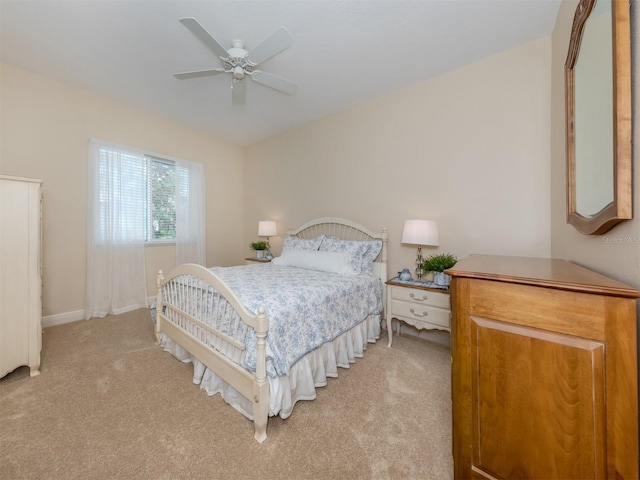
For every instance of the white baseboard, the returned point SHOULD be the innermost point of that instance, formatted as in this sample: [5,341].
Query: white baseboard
[68,317]
[61,318]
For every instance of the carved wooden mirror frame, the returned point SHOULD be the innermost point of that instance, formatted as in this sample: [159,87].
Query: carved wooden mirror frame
[620,208]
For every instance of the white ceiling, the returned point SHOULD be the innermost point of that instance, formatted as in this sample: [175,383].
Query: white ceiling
[343,53]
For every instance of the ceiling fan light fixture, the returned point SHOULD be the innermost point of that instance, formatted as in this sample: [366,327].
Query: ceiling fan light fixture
[238,72]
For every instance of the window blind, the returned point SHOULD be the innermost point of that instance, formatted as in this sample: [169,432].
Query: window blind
[121,181]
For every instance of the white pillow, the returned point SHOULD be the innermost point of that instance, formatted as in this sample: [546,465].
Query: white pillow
[333,262]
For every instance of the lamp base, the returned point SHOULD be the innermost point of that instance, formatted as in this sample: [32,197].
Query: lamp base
[419,263]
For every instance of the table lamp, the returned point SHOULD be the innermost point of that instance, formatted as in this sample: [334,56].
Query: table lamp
[420,232]
[267,228]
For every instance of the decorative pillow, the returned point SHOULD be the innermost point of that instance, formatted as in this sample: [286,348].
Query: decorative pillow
[362,252]
[333,262]
[373,250]
[352,249]
[295,243]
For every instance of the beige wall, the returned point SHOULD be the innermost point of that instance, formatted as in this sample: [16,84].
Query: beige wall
[479,149]
[617,252]
[45,132]
[469,149]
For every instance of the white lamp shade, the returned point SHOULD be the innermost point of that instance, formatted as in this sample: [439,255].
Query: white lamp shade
[267,228]
[420,232]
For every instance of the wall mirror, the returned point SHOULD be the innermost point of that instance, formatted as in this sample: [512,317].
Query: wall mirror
[598,116]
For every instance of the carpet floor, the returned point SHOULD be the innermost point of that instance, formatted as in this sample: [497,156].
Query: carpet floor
[110,404]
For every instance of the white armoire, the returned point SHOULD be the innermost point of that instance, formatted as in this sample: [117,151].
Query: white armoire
[20,274]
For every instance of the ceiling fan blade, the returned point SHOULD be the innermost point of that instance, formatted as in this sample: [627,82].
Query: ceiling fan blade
[238,92]
[277,42]
[199,73]
[277,83]
[205,37]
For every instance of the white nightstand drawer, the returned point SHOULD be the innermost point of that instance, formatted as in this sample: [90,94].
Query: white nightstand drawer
[420,296]
[412,313]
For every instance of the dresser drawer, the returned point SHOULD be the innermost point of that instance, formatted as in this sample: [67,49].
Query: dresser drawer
[412,313]
[421,296]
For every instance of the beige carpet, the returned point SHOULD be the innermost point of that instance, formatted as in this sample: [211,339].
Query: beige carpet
[110,404]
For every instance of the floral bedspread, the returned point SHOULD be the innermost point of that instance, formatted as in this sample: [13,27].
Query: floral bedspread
[305,308]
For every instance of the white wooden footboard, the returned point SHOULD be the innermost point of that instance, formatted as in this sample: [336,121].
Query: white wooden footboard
[197,310]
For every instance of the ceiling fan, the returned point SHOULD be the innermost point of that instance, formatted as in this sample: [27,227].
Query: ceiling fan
[241,63]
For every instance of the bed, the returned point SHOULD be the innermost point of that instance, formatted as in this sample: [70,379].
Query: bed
[264,336]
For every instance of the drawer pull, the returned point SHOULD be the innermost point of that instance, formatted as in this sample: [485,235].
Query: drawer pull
[424,314]
[423,299]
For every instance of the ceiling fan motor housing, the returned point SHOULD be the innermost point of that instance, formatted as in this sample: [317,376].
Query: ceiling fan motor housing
[237,62]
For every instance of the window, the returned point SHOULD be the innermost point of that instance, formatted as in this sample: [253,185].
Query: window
[141,191]
[161,200]
[135,198]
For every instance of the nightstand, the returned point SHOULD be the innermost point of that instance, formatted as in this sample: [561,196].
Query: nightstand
[250,260]
[419,305]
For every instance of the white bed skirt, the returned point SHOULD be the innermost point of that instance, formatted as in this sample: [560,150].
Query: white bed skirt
[309,372]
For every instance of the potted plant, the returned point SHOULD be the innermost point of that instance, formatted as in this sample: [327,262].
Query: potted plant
[438,264]
[259,247]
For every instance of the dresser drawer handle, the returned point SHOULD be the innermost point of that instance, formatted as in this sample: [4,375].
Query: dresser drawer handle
[423,299]
[424,314]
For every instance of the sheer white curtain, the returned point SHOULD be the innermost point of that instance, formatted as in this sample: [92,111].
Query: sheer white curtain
[190,213]
[116,274]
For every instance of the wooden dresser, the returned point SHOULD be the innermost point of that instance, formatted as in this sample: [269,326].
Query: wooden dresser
[544,371]
[20,274]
